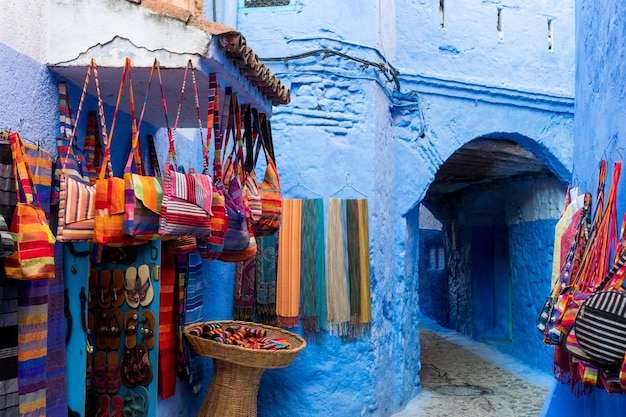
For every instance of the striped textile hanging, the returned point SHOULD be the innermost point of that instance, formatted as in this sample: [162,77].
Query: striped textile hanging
[245,275]
[56,380]
[313,269]
[194,365]
[266,269]
[32,314]
[167,326]
[337,297]
[9,395]
[354,273]
[288,276]
[365,312]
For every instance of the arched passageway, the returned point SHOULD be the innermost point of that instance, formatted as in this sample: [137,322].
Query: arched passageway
[493,204]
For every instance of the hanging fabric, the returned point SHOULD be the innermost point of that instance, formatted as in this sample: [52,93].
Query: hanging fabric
[288,273]
[245,275]
[167,325]
[338,301]
[265,280]
[193,363]
[313,269]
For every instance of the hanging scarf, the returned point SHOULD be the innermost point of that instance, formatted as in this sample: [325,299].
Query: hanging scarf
[337,297]
[365,312]
[288,275]
[56,380]
[354,265]
[8,346]
[266,269]
[167,326]
[313,269]
[245,275]
[193,365]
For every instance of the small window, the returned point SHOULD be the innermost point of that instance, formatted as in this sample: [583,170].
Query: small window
[247,6]
[436,258]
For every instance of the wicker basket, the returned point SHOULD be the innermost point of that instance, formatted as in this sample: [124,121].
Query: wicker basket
[255,358]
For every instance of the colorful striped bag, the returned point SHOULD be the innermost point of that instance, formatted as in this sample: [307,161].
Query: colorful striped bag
[269,189]
[143,194]
[76,195]
[239,240]
[110,191]
[212,246]
[186,206]
[34,241]
[251,185]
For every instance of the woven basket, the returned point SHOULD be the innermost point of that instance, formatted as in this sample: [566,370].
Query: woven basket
[255,358]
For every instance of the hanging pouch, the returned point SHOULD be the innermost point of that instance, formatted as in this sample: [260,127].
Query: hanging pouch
[143,194]
[34,242]
[186,207]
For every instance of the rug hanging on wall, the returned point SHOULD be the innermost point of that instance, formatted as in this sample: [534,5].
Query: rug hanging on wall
[266,269]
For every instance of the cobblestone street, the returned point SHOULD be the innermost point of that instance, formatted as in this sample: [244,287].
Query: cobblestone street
[456,381]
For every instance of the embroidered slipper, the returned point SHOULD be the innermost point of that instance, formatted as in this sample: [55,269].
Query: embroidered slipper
[117,289]
[113,379]
[102,329]
[130,284]
[129,377]
[104,298]
[99,372]
[147,329]
[116,320]
[146,290]
[105,404]
[143,367]
[130,325]
[93,288]
[118,404]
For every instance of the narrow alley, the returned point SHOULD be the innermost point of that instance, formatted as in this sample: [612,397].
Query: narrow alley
[461,377]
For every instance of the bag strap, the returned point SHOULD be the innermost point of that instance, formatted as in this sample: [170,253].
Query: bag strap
[107,151]
[24,183]
[171,154]
[219,138]
[135,151]
[249,138]
[93,66]
[212,119]
[154,158]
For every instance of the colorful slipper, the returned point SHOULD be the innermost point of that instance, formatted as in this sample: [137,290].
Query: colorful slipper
[130,325]
[117,289]
[116,320]
[147,328]
[129,377]
[113,379]
[102,329]
[118,405]
[104,298]
[105,404]
[99,372]
[130,284]
[143,367]
[145,290]
[93,288]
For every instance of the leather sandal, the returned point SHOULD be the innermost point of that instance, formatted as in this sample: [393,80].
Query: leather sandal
[142,365]
[117,289]
[147,329]
[113,378]
[130,325]
[116,320]
[102,329]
